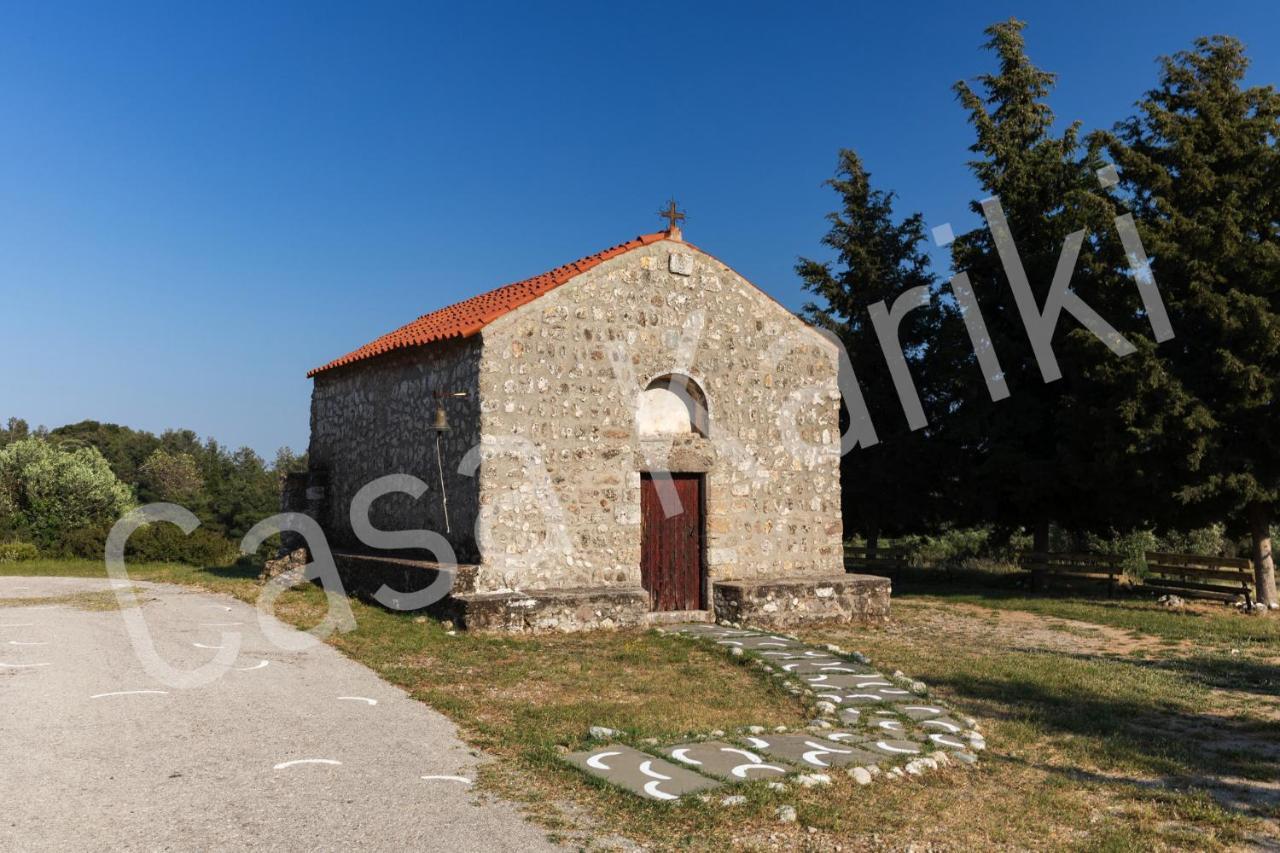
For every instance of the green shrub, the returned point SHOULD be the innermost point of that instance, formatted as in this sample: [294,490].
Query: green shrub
[950,546]
[1208,541]
[47,492]
[160,542]
[87,542]
[166,543]
[14,552]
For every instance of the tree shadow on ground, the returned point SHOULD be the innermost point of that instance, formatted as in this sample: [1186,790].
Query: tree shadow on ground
[242,569]
[1243,796]
[1236,673]
[1127,733]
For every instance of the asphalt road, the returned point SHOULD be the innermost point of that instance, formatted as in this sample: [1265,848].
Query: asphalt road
[87,763]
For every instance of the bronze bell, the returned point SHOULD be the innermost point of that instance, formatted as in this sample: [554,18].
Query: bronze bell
[442,420]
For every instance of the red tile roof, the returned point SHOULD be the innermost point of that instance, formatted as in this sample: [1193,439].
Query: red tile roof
[466,318]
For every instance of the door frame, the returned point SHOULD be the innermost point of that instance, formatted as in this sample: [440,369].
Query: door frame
[704,576]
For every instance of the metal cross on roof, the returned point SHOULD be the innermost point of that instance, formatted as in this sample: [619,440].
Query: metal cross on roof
[672,214]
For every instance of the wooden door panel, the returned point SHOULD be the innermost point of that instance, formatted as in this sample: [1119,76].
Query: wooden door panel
[671,547]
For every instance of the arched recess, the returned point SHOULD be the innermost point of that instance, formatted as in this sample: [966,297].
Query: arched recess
[673,404]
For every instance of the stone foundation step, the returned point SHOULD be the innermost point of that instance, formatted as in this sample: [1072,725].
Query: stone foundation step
[678,617]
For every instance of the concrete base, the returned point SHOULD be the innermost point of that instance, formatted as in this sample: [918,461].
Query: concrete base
[544,610]
[782,603]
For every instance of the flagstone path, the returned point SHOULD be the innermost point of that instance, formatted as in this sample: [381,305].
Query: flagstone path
[862,718]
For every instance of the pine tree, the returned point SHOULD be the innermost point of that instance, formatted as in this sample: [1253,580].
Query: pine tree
[878,258]
[1019,458]
[1202,170]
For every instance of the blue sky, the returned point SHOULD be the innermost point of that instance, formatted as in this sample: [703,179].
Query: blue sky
[199,205]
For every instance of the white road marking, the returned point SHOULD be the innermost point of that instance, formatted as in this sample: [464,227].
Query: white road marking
[890,725]
[895,692]
[203,646]
[946,741]
[750,756]
[18,625]
[364,699]
[651,788]
[758,743]
[924,708]
[861,684]
[126,693]
[942,724]
[296,762]
[682,755]
[23,665]
[20,643]
[742,770]
[463,779]
[219,624]
[259,665]
[888,748]
[219,607]
[821,749]
[597,762]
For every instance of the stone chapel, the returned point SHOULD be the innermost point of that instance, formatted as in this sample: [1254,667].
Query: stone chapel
[638,436]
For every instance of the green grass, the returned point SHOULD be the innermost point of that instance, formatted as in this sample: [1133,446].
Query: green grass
[1086,750]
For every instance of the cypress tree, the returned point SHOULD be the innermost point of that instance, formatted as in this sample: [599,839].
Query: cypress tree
[1201,169]
[879,257]
[1017,464]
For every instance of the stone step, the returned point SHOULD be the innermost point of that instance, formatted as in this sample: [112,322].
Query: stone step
[676,617]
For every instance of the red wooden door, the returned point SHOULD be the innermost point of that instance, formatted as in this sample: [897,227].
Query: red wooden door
[671,546]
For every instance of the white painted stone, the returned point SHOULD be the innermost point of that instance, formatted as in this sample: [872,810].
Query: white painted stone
[860,775]
[812,780]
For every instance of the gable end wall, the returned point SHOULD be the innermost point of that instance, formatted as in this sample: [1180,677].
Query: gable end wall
[559,487]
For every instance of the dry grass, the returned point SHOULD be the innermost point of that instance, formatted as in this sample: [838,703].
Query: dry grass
[1085,745]
[79,600]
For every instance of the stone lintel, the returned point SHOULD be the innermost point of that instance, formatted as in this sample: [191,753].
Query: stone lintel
[779,602]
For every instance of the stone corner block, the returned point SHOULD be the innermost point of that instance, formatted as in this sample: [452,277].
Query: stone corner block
[778,603]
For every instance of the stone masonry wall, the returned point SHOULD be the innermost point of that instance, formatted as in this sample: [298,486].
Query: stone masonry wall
[559,485]
[375,417]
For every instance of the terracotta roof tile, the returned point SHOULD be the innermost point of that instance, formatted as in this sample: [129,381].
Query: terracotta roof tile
[466,318]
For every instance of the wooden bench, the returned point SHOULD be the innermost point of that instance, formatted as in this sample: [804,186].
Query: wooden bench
[1217,578]
[1099,568]
[887,562]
